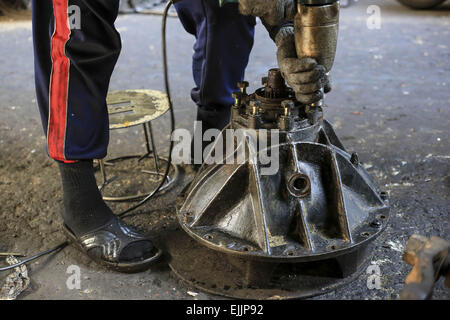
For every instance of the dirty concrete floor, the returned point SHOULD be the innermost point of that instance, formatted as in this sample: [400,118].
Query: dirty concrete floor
[391,103]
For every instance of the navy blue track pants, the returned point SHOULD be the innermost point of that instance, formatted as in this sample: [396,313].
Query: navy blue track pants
[74,63]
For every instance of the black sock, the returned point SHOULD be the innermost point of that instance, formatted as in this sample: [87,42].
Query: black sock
[84,208]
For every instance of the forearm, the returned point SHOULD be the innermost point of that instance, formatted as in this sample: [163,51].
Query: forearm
[273,12]
[273,30]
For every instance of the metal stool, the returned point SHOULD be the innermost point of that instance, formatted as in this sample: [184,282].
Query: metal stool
[130,108]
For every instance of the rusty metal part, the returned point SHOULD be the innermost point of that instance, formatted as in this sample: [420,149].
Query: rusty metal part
[16,282]
[275,87]
[316,27]
[270,98]
[14,254]
[320,205]
[430,260]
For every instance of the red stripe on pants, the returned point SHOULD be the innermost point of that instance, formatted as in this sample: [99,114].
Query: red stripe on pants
[59,82]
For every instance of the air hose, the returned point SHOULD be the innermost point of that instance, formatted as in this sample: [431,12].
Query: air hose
[63,245]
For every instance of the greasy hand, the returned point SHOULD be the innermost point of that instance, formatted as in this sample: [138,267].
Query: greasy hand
[304,76]
[273,12]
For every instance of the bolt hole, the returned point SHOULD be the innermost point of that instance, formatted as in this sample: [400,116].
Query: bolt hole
[246,249]
[209,237]
[382,217]
[376,223]
[365,234]
[290,253]
[333,247]
[299,185]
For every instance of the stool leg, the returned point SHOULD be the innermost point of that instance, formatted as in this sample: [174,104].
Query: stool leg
[155,152]
[147,142]
[105,181]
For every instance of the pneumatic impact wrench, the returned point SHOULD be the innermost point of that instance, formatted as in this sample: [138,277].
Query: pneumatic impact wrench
[316,26]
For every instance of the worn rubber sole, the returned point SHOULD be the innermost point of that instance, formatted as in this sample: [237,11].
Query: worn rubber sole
[123,267]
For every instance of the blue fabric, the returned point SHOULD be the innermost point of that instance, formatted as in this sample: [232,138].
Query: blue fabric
[92,51]
[224,40]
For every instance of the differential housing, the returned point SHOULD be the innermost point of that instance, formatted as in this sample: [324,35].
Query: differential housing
[312,220]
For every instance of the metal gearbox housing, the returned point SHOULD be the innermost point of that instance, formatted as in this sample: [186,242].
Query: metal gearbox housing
[320,206]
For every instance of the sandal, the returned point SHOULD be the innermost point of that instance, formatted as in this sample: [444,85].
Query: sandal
[112,239]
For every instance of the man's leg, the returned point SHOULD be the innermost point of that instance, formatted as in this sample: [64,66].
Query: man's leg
[76,48]
[224,40]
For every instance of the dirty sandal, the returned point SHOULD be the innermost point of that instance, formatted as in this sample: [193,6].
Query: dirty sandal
[106,244]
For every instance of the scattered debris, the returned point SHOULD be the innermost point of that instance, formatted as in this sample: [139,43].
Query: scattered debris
[394,171]
[380,262]
[16,282]
[192,294]
[391,186]
[396,246]
[367,166]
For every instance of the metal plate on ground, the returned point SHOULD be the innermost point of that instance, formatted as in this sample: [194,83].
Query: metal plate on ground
[129,108]
[217,273]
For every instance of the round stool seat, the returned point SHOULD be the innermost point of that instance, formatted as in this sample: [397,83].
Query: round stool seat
[129,108]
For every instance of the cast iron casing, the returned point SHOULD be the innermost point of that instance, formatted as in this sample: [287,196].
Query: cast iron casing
[320,204]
